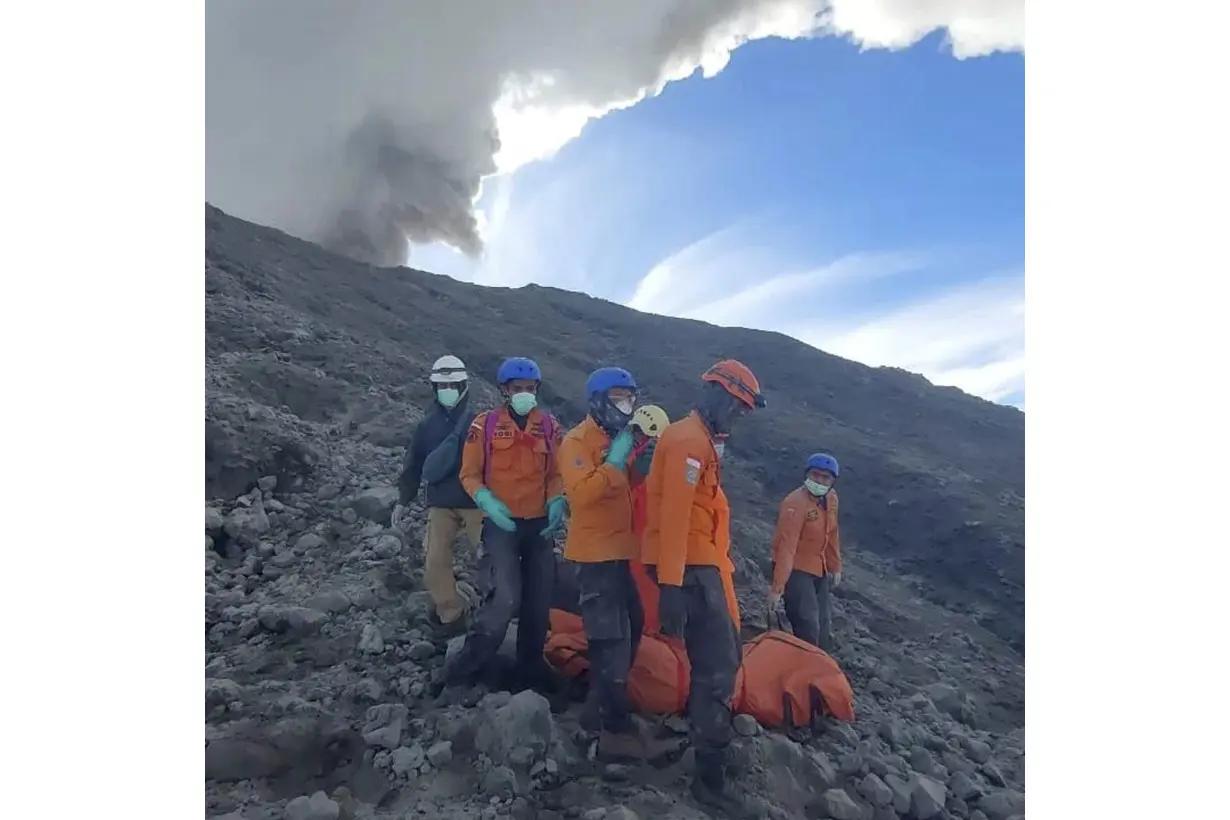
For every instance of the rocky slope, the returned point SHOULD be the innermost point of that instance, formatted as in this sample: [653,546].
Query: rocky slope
[319,657]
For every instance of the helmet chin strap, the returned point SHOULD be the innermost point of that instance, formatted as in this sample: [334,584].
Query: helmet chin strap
[608,417]
[717,408]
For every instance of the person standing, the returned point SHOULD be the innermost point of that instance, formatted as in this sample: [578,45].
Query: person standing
[508,467]
[433,458]
[648,422]
[807,553]
[686,546]
[594,462]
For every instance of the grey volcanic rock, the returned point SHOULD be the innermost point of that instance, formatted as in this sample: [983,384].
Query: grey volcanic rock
[323,661]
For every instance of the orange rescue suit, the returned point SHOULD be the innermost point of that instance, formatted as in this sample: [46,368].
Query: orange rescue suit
[599,498]
[522,473]
[687,518]
[806,537]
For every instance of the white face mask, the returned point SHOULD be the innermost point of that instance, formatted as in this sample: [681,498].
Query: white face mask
[815,488]
[624,406]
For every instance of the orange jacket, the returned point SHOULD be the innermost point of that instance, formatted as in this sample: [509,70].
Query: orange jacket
[645,586]
[522,473]
[686,505]
[806,537]
[599,499]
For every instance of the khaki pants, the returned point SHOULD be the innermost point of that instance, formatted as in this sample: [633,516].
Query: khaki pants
[442,529]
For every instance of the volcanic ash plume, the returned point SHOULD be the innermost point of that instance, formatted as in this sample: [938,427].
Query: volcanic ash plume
[367,125]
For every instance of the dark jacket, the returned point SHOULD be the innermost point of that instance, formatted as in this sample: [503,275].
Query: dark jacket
[432,430]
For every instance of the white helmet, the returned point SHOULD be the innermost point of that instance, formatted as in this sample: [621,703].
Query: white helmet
[448,369]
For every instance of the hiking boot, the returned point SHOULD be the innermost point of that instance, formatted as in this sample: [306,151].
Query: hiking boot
[444,631]
[539,676]
[709,788]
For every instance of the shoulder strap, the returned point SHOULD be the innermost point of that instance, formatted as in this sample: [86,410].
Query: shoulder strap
[488,434]
[548,432]
[464,420]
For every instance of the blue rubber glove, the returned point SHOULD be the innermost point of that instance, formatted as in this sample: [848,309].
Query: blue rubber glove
[494,509]
[557,508]
[621,448]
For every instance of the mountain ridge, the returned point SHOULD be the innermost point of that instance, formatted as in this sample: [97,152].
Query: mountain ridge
[321,657]
[932,478]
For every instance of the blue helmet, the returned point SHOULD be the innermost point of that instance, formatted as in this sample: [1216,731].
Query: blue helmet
[610,418]
[518,367]
[605,378]
[823,461]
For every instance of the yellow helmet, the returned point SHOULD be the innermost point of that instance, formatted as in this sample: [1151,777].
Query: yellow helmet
[651,419]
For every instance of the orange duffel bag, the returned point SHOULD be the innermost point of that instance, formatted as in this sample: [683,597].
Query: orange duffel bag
[660,676]
[788,683]
[565,622]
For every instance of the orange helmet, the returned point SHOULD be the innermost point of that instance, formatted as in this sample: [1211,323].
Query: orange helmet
[738,380]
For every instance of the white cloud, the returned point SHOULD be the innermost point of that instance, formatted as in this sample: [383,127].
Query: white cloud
[968,334]
[370,123]
[754,268]
[971,336]
[717,263]
[549,230]
[974,27]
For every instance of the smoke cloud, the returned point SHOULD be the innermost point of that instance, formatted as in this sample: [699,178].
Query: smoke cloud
[369,125]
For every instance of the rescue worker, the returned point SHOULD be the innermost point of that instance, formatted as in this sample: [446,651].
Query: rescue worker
[450,509]
[593,460]
[686,545]
[807,553]
[648,422]
[508,467]
[653,419]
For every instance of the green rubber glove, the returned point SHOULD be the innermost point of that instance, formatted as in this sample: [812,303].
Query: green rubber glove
[494,509]
[621,448]
[557,508]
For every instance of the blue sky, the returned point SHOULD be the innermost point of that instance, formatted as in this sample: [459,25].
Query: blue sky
[870,203]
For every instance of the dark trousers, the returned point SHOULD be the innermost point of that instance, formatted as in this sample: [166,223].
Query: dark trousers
[809,608]
[517,574]
[714,652]
[614,620]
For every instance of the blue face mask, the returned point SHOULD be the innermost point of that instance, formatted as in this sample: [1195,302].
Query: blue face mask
[448,397]
[522,403]
[815,488]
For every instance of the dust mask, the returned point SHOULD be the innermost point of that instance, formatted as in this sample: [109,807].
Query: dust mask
[815,488]
[523,403]
[448,397]
[624,406]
